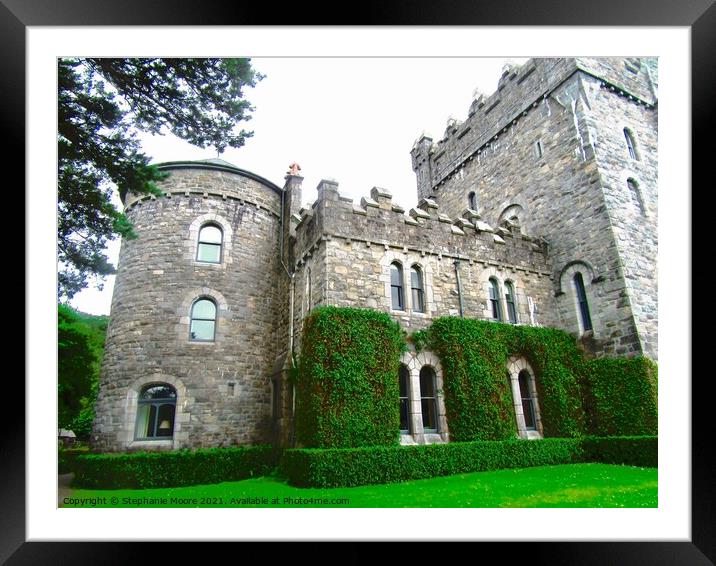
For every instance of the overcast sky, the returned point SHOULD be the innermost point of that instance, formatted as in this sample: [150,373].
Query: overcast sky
[349,119]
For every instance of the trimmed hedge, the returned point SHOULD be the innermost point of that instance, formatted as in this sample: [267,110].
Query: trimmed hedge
[478,398]
[142,470]
[66,458]
[349,467]
[630,450]
[347,386]
[623,396]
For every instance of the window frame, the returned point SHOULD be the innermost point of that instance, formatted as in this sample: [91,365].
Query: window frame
[511,302]
[400,287]
[472,200]
[192,318]
[631,144]
[431,400]
[419,305]
[526,397]
[585,317]
[200,243]
[494,288]
[404,401]
[157,404]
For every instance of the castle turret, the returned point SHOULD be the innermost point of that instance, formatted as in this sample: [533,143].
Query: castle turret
[192,339]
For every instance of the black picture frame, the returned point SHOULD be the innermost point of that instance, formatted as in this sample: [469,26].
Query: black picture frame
[699,16]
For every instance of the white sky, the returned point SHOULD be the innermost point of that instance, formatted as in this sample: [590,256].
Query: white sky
[349,119]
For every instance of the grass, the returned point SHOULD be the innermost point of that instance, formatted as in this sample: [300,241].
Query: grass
[574,485]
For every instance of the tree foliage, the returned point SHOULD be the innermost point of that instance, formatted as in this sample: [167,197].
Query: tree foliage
[80,342]
[102,106]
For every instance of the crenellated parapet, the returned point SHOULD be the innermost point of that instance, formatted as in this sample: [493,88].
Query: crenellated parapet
[521,89]
[377,221]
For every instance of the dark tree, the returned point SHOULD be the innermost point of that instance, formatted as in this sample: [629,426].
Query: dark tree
[102,105]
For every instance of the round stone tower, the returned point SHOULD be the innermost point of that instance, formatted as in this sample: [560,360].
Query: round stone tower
[192,339]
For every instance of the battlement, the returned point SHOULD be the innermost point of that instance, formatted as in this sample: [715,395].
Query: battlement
[377,220]
[521,89]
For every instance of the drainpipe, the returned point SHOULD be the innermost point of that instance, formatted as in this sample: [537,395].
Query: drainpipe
[459,287]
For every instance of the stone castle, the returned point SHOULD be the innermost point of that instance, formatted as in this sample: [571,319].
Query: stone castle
[539,209]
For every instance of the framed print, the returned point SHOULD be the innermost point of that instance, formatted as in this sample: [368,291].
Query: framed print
[158,410]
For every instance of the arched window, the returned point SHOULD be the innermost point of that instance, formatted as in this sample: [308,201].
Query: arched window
[155,412]
[428,404]
[210,240]
[510,300]
[397,297]
[635,193]
[528,406]
[631,146]
[403,384]
[585,318]
[203,320]
[472,201]
[495,299]
[416,287]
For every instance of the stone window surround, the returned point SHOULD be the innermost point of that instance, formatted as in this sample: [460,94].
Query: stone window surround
[416,435]
[181,414]
[634,143]
[408,259]
[624,178]
[184,313]
[569,293]
[517,287]
[227,237]
[515,365]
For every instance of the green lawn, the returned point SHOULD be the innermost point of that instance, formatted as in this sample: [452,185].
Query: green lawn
[576,485]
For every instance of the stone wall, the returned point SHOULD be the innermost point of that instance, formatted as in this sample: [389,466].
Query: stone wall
[549,152]
[349,260]
[223,386]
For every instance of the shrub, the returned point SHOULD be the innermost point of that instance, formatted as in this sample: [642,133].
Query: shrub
[623,396]
[142,470]
[347,387]
[630,450]
[347,467]
[478,398]
[66,458]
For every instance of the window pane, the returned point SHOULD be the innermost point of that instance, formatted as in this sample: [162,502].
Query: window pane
[396,297]
[404,422]
[429,415]
[210,234]
[427,382]
[209,253]
[202,329]
[415,279]
[204,309]
[165,419]
[143,421]
[418,300]
[159,392]
[403,377]
[396,275]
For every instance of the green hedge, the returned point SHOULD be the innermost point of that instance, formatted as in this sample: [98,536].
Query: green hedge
[623,397]
[631,450]
[142,470]
[347,385]
[66,458]
[348,467]
[478,398]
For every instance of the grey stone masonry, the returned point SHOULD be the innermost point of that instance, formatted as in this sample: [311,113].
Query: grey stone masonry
[549,151]
[223,386]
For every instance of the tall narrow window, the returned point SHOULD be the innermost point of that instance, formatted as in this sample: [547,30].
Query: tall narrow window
[155,412]
[528,407]
[203,321]
[510,300]
[396,286]
[635,193]
[631,146]
[495,299]
[582,302]
[428,403]
[472,201]
[416,286]
[210,240]
[539,149]
[403,384]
